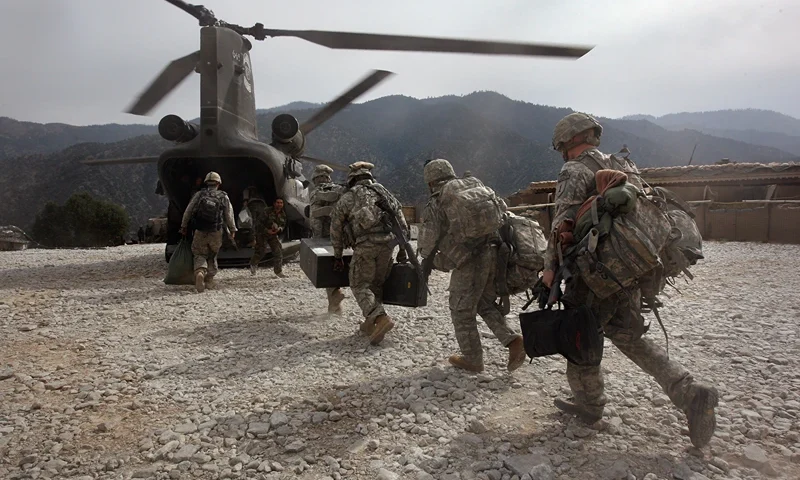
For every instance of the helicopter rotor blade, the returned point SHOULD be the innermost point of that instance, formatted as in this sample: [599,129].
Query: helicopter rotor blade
[170,77]
[118,161]
[345,99]
[373,41]
[333,165]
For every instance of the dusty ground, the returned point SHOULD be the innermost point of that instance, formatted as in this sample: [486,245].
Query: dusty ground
[107,373]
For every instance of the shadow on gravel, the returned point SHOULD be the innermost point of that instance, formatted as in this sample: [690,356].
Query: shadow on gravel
[78,276]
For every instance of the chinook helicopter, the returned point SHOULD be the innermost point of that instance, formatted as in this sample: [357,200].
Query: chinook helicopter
[226,139]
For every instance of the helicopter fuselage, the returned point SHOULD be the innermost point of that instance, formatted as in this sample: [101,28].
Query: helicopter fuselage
[226,141]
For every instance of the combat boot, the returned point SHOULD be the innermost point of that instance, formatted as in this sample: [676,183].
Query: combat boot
[462,363]
[280,274]
[199,281]
[588,414]
[210,282]
[516,354]
[335,302]
[700,414]
[382,326]
[367,327]
[253,269]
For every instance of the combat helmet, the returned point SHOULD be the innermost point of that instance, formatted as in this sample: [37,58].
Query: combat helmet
[321,171]
[359,171]
[573,124]
[438,170]
[213,177]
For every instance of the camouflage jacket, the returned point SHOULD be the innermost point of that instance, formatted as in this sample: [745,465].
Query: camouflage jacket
[361,196]
[576,183]
[323,198]
[227,211]
[277,219]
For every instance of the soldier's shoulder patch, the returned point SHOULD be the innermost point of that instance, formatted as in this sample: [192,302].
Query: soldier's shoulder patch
[563,179]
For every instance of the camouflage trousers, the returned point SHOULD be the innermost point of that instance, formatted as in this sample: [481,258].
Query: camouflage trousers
[623,325]
[262,240]
[369,269]
[205,247]
[320,227]
[472,292]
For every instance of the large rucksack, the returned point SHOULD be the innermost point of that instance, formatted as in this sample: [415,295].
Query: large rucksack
[526,256]
[367,217]
[625,251]
[208,210]
[473,213]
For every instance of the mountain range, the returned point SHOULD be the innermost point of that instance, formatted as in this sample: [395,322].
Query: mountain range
[504,142]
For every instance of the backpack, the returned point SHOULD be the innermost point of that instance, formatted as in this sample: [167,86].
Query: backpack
[526,259]
[207,214]
[683,248]
[472,209]
[367,217]
[621,248]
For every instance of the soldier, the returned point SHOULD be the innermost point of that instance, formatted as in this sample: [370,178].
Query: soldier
[207,209]
[323,198]
[577,137]
[268,223]
[357,221]
[472,282]
[140,234]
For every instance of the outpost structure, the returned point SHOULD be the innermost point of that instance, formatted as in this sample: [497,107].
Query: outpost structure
[748,202]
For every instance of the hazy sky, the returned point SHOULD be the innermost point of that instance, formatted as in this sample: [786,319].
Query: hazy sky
[84,61]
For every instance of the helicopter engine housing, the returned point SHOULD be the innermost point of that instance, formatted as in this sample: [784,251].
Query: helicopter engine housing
[287,136]
[175,129]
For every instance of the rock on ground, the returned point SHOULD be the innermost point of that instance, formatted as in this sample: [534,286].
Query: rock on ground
[107,373]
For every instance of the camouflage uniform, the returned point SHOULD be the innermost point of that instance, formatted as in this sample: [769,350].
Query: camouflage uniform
[206,245]
[322,200]
[265,219]
[472,283]
[373,246]
[619,314]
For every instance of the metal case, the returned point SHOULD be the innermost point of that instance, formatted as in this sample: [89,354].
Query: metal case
[316,261]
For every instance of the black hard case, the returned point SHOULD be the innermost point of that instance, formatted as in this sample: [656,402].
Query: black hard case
[403,287]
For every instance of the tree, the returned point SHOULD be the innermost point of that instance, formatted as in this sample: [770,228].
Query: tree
[82,221]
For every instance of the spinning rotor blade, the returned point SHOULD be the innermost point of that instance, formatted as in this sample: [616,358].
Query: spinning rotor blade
[331,109]
[118,161]
[372,41]
[169,78]
[335,166]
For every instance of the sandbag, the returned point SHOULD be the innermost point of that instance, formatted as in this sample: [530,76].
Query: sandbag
[181,265]
[573,333]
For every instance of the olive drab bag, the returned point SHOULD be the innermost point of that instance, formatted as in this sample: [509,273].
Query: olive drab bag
[526,259]
[180,270]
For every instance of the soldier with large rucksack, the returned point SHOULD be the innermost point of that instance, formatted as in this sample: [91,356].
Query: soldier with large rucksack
[209,211]
[461,233]
[615,245]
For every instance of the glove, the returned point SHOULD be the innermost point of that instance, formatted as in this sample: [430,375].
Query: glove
[338,264]
[402,256]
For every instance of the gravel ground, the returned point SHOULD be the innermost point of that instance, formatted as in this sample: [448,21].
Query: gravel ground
[106,373]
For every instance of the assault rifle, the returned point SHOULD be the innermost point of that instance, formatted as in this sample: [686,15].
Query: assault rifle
[390,220]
